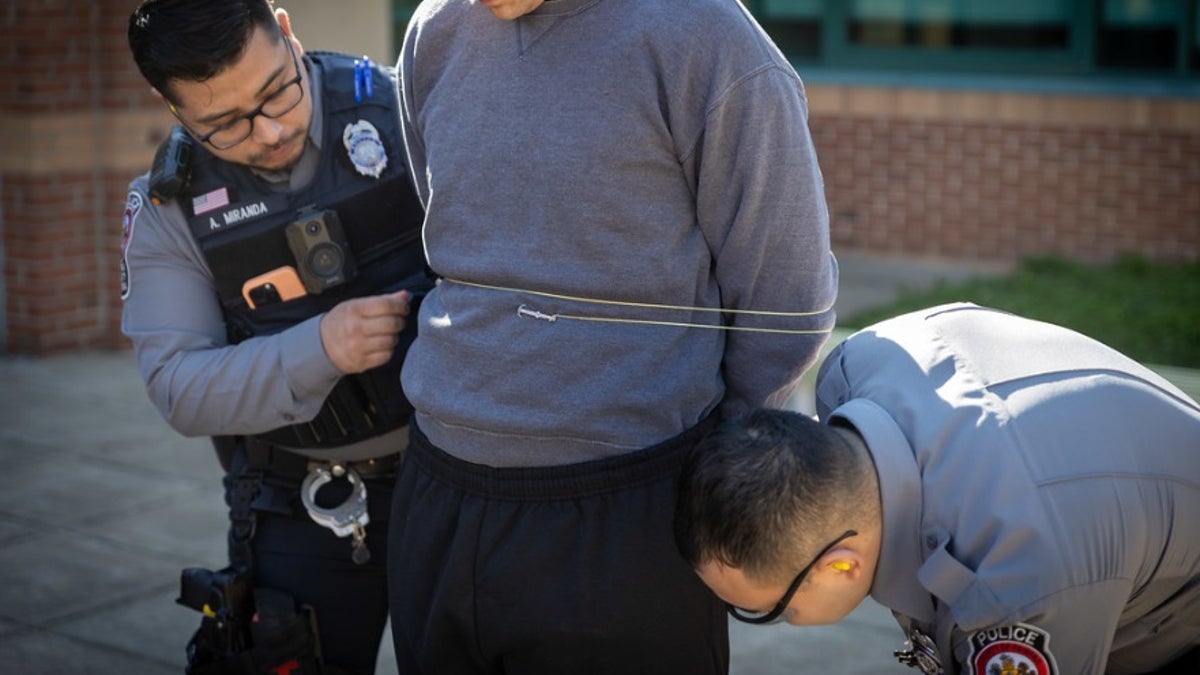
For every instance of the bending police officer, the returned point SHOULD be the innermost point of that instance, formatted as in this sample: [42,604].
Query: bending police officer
[268,265]
[1023,498]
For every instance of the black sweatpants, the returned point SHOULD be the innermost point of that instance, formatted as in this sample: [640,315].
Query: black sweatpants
[555,570]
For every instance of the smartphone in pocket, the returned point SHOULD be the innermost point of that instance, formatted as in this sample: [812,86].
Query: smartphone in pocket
[279,285]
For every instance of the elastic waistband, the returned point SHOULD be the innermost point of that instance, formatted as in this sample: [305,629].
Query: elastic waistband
[568,481]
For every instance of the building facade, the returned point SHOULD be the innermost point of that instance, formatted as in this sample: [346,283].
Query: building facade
[77,122]
[970,129]
[1000,130]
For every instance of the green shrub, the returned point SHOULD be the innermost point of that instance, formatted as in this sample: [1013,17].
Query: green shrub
[1150,311]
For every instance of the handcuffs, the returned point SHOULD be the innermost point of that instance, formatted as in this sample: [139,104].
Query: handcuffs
[920,652]
[348,519]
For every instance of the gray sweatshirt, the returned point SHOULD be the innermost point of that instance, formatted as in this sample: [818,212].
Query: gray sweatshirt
[601,176]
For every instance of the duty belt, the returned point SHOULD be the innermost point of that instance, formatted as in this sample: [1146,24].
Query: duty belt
[294,466]
[348,519]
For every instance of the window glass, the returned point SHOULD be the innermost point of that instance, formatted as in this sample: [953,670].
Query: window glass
[1038,24]
[402,11]
[1141,12]
[1140,34]
[1196,39]
[1065,37]
[794,25]
[791,8]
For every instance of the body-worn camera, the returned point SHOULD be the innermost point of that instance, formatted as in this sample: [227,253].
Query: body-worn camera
[322,253]
[171,168]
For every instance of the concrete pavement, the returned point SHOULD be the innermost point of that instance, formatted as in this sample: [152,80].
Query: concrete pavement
[102,505]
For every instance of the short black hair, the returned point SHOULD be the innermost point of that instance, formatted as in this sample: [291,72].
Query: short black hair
[194,39]
[766,489]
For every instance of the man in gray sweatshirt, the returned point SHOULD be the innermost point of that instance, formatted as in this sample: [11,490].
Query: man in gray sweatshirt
[626,212]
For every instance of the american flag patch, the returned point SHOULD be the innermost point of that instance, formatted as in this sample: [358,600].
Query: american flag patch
[210,201]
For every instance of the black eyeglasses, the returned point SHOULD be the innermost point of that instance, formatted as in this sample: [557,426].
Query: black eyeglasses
[777,612]
[279,103]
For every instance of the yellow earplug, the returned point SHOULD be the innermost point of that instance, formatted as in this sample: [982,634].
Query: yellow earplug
[841,566]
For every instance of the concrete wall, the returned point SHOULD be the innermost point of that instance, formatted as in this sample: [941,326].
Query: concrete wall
[356,27]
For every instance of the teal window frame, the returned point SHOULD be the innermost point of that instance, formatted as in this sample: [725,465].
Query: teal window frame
[835,56]
[402,11]
[1079,57]
[844,53]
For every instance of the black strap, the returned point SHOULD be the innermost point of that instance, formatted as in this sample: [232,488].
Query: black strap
[244,488]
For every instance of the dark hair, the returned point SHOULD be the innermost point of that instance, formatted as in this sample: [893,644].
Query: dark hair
[764,491]
[194,39]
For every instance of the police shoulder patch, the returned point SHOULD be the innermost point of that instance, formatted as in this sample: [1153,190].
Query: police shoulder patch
[133,206]
[1018,649]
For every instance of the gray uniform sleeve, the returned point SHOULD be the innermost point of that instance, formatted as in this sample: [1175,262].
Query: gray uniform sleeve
[832,389]
[761,204]
[200,383]
[1072,631]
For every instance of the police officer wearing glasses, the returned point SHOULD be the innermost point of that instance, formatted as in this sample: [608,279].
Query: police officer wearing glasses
[270,262]
[1023,498]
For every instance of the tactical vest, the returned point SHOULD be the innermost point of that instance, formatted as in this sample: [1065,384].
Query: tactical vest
[280,258]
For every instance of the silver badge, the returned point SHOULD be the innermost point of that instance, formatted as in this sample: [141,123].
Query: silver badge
[365,148]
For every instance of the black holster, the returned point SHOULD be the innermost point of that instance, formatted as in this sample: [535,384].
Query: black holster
[248,631]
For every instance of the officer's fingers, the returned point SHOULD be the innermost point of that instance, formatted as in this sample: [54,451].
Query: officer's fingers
[390,304]
[378,352]
[371,315]
[342,337]
[402,301]
[381,341]
[362,333]
[385,325]
[366,354]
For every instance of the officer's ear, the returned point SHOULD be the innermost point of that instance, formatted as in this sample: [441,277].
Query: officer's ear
[842,564]
[284,21]
[285,27]
[164,100]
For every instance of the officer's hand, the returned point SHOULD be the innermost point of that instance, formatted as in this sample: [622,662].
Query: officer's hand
[361,334]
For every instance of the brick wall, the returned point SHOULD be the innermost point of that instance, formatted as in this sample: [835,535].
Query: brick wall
[76,123]
[987,176]
[1006,176]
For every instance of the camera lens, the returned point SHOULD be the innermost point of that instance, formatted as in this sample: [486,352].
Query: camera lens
[325,260]
[313,227]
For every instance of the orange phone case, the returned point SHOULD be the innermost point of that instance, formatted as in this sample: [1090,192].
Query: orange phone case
[285,281]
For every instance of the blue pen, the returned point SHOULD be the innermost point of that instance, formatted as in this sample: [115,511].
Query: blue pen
[367,75]
[357,82]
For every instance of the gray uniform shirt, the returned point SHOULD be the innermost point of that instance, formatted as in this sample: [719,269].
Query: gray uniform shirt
[584,162]
[202,385]
[1040,490]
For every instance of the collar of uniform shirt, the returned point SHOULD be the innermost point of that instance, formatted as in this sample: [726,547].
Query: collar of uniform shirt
[895,585]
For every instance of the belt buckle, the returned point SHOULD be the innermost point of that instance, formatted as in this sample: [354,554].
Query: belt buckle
[348,519]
